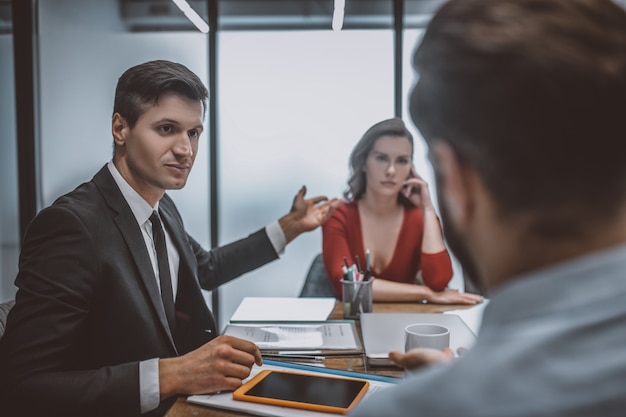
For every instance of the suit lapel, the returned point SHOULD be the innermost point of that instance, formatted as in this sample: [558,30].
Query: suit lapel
[131,233]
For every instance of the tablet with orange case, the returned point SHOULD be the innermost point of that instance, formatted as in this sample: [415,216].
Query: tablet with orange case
[316,392]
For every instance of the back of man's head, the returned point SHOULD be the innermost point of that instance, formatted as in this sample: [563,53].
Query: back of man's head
[532,95]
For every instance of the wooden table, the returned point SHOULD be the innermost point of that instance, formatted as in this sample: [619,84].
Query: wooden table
[357,363]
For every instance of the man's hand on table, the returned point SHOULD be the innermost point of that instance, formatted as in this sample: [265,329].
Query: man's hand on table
[418,358]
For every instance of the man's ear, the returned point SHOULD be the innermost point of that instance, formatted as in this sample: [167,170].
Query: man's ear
[119,129]
[453,182]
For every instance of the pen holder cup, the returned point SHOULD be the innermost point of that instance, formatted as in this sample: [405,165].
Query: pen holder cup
[357,298]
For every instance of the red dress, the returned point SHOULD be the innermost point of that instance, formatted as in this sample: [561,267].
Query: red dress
[342,237]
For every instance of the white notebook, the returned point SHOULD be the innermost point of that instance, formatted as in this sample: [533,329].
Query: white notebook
[384,332]
[283,309]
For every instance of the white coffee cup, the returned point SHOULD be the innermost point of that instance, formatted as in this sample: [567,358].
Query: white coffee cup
[426,335]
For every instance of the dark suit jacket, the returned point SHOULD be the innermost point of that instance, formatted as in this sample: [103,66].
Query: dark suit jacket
[88,307]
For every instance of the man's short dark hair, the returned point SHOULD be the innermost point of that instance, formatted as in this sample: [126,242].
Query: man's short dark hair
[532,95]
[143,85]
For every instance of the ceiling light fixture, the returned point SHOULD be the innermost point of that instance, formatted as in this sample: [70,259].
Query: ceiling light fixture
[192,15]
[338,14]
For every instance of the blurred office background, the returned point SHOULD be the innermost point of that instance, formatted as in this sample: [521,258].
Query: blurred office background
[290,99]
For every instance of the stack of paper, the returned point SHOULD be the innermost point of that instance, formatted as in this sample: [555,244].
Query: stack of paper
[328,335]
[277,324]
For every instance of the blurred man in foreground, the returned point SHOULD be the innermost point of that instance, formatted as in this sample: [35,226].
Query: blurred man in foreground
[522,105]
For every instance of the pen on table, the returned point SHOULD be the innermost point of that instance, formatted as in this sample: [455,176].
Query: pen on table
[320,353]
[293,357]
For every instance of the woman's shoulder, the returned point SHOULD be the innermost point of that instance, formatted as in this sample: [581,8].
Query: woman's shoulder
[351,205]
[347,208]
[345,212]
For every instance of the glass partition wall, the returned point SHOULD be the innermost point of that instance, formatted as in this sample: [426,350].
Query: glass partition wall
[292,104]
[291,107]
[9,214]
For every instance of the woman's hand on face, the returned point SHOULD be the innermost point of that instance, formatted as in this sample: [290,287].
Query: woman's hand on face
[415,189]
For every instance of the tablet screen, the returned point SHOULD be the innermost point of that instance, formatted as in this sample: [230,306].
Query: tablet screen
[300,390]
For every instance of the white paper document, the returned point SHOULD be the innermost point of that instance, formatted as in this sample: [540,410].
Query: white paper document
[333,335]
[226,401]
[283,309]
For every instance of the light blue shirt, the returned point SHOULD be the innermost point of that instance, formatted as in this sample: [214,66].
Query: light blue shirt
[149,369]
[552,343]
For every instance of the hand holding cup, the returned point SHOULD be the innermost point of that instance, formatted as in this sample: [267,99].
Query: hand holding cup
[425,344]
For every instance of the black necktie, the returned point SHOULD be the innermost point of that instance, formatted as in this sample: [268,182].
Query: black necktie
[167,294]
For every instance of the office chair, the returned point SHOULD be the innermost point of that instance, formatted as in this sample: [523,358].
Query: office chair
[317,283]
[4,312]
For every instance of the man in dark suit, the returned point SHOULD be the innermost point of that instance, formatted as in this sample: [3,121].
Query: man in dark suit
[109,317]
